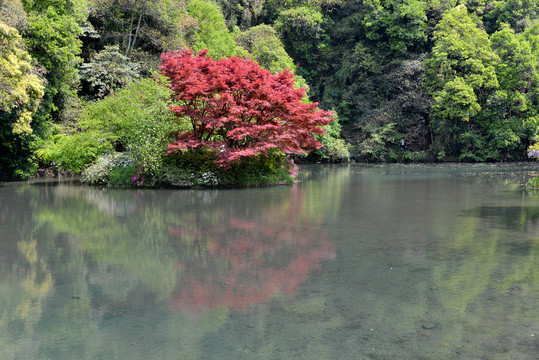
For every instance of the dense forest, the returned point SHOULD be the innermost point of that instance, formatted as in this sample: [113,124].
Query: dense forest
[410,80]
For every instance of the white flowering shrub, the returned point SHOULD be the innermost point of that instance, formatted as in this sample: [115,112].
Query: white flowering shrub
[98,173]
[207,178]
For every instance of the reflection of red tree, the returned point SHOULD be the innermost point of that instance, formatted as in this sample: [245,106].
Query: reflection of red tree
[245,261]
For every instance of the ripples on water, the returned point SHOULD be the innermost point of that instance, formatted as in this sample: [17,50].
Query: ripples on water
[352,262]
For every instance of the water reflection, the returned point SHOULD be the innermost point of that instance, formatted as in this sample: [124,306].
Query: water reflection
[353,262]
[512,217]
[193,252]
[238,257]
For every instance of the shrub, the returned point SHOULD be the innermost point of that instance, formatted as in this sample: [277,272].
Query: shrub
[189,169]
[533,183]
[135,119]
[123,176]
[99,173]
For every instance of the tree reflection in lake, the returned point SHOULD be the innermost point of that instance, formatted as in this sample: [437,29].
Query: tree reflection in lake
[354,262]
[245,254]
[81,257]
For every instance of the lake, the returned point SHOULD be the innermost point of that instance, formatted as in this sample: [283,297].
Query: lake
[352,262]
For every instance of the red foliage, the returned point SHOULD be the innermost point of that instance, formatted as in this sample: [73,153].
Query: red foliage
[239,109]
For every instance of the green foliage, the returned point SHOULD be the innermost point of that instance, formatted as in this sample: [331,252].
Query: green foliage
[73,152]
[20,88]
[135,119]
[108,71]
[52,39]
[461,49]
[188,169]
[143,28]
[122,176]
[518,13]
[17,160]
[380,142]
[265,47]
[533,183]
[453,106]
[113,169]
[415,156]
[303,33]
[460,72]
[475,147]
[78,9]
[511,118]
[212,33]
[334,148]
[259,171]
[401,24]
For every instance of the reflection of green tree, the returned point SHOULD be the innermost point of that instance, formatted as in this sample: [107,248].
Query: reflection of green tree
[335,178]
[110,256]
[479,299]
[114,255]
[487,268]
[23,293]
[97,225]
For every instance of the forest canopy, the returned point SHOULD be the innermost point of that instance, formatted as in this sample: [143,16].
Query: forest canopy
[413,80]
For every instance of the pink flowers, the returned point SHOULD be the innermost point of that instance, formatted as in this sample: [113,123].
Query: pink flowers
[138,179]
[293,168]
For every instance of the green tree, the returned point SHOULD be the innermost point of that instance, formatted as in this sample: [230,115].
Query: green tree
[141,29]
[212,33]
[136,120]
[302,30]
[21,90]
[20,87]
[108,71]
[519,14]
[52,39]
[264,45]
[461,75]
[511,117]
[401,24]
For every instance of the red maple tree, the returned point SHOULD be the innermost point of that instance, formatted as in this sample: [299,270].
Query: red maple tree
[238,109]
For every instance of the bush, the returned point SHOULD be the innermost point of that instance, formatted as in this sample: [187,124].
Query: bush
[533,183]
[73,152]
[189,169]
[111,166]
[259,171]
[123,176]
[415,156]
[135,119]
[333,149]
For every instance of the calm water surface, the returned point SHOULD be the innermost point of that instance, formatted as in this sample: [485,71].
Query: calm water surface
[353,262]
